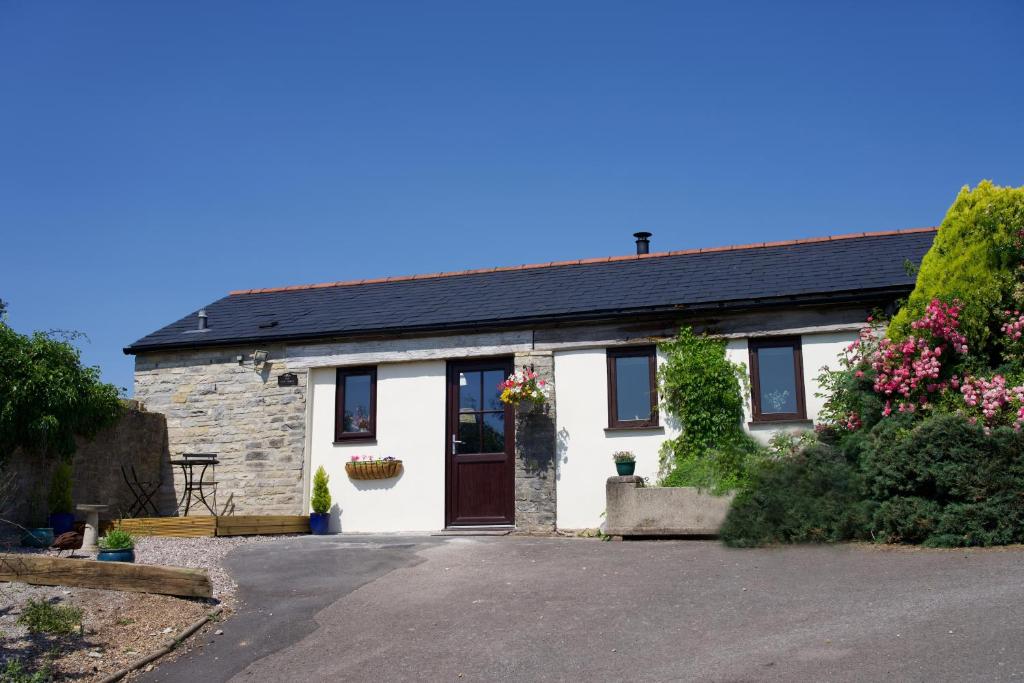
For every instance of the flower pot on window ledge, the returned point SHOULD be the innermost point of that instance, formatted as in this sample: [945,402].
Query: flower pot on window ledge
[373,469]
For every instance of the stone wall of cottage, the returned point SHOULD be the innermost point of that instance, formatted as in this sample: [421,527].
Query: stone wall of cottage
[535,452]
[215,404]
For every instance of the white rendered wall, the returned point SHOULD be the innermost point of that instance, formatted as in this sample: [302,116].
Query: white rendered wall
[411,427]
[584,447]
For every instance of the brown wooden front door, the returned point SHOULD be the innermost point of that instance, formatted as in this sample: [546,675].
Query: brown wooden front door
[480,471]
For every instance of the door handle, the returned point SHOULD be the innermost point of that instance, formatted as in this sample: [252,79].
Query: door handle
[455,443]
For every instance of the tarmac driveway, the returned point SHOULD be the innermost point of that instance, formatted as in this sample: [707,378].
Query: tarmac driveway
[387,608]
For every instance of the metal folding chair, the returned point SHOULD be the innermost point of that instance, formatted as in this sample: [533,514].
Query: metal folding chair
[142,490]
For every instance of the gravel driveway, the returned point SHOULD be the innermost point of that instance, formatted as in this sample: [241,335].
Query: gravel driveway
[485,609]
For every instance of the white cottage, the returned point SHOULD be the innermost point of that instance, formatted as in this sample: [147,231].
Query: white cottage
[280,381]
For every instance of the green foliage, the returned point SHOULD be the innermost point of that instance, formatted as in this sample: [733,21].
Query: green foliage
[41,616]
[47,396]
[321,500]
[15,672]
[117,539]
[940,481]
[704,391]
[812,496]
[975,258]
[945,482]
[60,489]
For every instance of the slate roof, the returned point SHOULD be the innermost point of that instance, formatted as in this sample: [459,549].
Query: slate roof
[821,269]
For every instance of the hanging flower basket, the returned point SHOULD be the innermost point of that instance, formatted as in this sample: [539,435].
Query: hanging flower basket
[524,386]
[372,469]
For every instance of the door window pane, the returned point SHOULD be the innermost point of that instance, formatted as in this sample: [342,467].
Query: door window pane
[469,433]
[357,403]
[633,388]
[777,380]
[492,378]
[494,432]
[469,391]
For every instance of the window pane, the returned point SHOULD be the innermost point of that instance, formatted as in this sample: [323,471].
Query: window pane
[633,388]
[492,378]
[469,433]
[777,379]
[357,403]
[469,391]
[494,432]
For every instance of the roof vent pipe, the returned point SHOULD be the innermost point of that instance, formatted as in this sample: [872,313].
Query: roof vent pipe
[202,320]
[643,242]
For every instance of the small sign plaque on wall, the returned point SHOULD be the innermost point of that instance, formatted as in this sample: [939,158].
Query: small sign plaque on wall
[288,379]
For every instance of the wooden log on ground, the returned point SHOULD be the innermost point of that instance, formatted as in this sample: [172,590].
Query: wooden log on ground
[119,576]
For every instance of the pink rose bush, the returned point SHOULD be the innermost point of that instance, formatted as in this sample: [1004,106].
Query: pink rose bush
[916,372]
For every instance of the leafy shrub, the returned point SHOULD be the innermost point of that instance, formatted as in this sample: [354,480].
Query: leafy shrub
[704,391]
[15,672]
[947,482]
[974,259]
[60,489]
[321,499]
[812,496]
[908,519]
[117,539]
[47,397]
[40,616]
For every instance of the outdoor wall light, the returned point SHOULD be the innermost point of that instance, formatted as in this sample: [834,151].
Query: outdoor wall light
[259,358]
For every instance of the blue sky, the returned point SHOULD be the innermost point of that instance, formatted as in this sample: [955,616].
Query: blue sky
[154,156]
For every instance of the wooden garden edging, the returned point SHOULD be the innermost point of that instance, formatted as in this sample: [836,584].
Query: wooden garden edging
[120,576]
[227,525]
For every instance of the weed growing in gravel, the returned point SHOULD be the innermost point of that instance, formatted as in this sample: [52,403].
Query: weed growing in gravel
[40,616]
[15,672]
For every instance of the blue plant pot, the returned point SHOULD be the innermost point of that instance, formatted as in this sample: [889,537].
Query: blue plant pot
[625,469]
[116,555]
[37,538]
[62,522]
[319,522]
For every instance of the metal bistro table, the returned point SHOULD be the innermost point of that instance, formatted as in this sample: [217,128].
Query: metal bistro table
[199,485]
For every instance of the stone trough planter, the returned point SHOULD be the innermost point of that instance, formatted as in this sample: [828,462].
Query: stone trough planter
[633,509]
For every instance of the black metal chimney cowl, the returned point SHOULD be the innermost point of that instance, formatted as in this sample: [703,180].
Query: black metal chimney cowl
[202,320]
[643,242]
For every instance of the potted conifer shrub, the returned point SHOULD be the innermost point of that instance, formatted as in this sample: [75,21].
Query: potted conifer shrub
[117,546]
[62,515]
[625,463]
[320,502]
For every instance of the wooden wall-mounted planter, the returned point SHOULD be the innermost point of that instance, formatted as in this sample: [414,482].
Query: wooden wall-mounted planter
[373,470]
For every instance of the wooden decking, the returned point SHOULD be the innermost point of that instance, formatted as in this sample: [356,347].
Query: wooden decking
[230,525]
